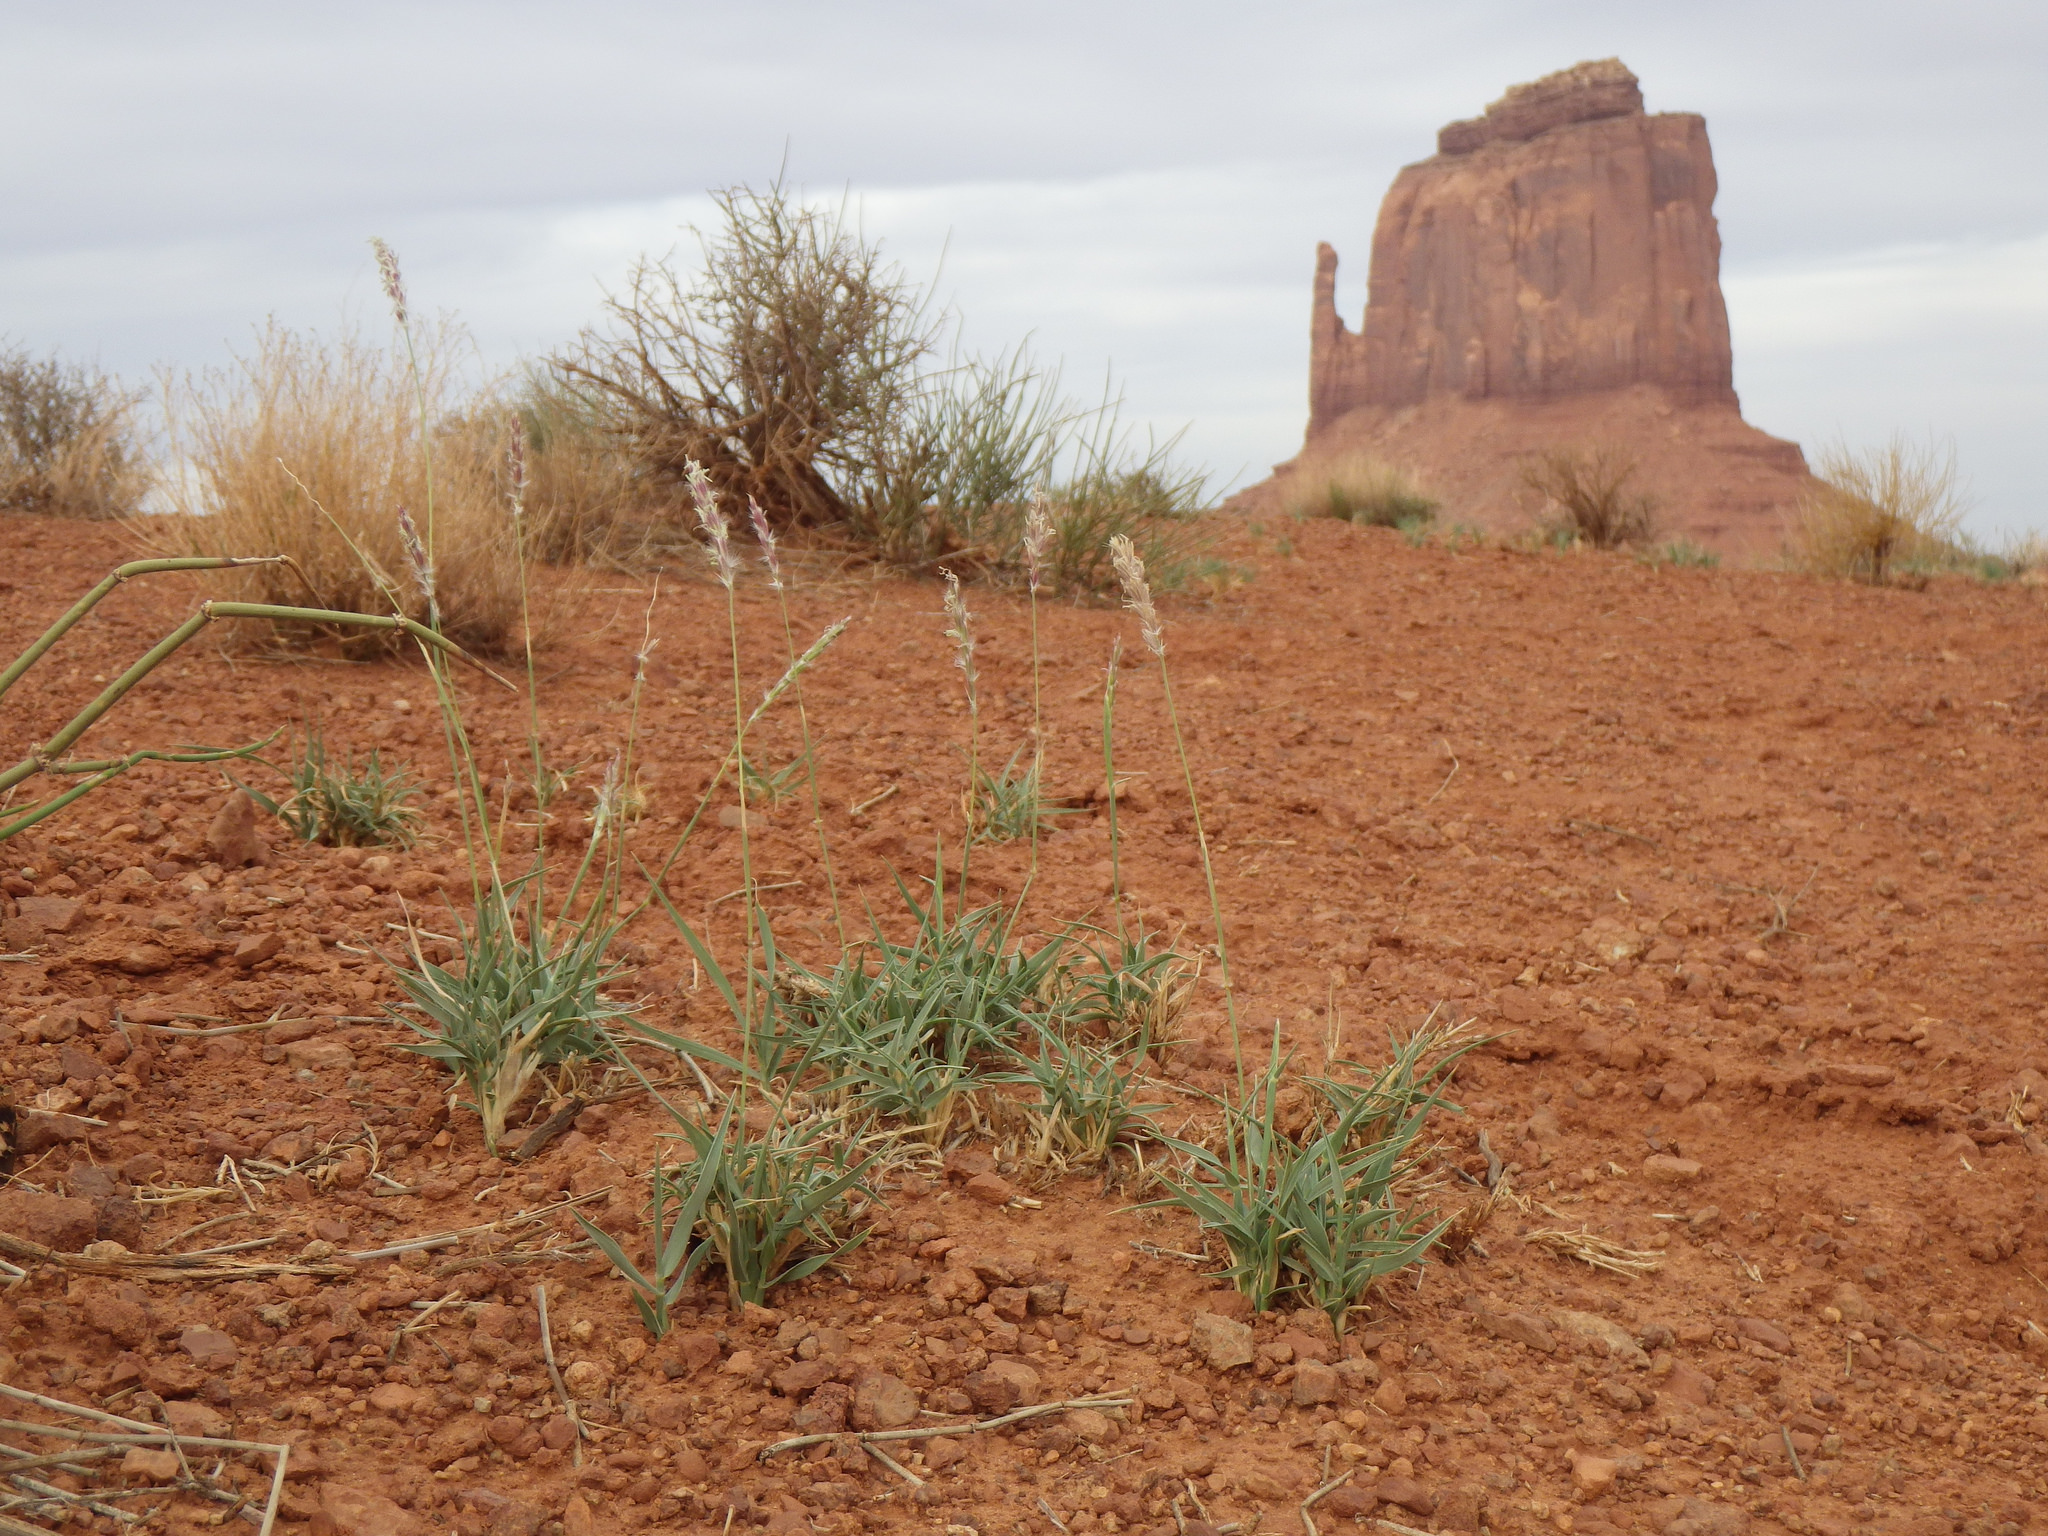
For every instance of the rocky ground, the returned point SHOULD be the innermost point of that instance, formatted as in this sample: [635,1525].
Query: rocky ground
[1749,872]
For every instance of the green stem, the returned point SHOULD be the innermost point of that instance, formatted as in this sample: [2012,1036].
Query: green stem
[1038,743]
[811,765]
[1208,871]
[87,603]
[1116,868]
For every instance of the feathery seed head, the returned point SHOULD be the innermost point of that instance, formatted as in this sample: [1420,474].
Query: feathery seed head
[394,285]
[416,554]
[960,630]
[1037,537]
[765,537]
[1130,571]
[711,518]
[515,465]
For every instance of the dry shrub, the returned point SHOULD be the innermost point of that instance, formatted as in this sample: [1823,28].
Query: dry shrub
[1879,512]
[67,440]
[803,371]
[787,367]
[1584,492]
[311,447]
[1361,489]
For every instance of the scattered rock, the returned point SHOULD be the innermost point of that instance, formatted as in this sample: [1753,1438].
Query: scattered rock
[1689,1384]
[882,1401]
[233,839]
[394,1398]
[1265,1487]
[1090,1426]
[1519,1328]
[51,914]
[1391,1398]
[1315,1383]
[1770,1335]
[126,1322]
[1406,1492]
[1853,1074]
[576,1519]
[319,1056]
[991,1189]
[208,1348]
[1697,1517]
[190,1418]
[1592,1475]
[586,1380]
[50,1220]
[1588,1325]
[358,1512]
[1660,1168]
[1222,1343]
[145,1466]
[255,948]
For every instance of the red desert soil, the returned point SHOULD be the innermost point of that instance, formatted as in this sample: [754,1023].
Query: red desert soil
[1548,792]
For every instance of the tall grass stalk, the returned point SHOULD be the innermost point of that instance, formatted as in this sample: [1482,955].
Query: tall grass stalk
[764,535]
[1130,571]
[960,630]
[1116,863]
[1038,537]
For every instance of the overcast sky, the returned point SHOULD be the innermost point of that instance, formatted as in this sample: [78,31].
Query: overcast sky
[1136,185]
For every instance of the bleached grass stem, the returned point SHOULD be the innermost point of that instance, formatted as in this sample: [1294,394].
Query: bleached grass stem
[1130,572]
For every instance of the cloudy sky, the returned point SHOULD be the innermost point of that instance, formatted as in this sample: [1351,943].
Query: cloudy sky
[1132,185]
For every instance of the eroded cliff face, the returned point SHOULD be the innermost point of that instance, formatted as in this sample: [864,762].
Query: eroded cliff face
[1563,243]
[1549,278]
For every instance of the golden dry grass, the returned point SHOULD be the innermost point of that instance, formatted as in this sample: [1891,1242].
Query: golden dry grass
[310,448]
[1876,512]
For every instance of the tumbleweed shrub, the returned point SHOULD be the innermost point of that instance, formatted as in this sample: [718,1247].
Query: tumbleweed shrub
[1358,488]
[802,370]
[69,440]
[1584,493]
[310,447]
[1875,514]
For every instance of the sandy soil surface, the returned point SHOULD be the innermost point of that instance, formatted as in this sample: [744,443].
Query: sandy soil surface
[1749,871]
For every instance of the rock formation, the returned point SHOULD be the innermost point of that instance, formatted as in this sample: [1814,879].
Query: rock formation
[1549,278]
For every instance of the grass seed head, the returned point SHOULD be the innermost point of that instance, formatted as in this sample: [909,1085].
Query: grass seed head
[416,555]
[1130,571]
[960,630]
[394,284]
[1038,537]
[711,518]
[515,466]
[765,537]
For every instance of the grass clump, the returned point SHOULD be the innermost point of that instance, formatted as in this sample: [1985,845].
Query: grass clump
[1008,806]
[1321,1216]
[312,449]
[1583,494]
[768,1207]
[1882,512]
[910,1030]
[345,803]
[1366,491]
[1683,554]
[68,440]
[522,995]
[1088,1102]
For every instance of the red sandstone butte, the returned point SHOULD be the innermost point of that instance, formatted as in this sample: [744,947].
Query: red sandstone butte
[1549,278]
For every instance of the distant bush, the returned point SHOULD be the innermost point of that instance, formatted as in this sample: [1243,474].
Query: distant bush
[1363,490]
[803,371]
[1683,553]
[585,499]
[67,440]
[310,448]
[1879,513]
[1584,492]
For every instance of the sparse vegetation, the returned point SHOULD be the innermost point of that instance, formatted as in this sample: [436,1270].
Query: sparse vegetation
[1323,1213]
[807,374]
[1363,490]
[1583,494]
[68,440]
[310,448]
[345,803]
[1682,553]
[1875,514]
